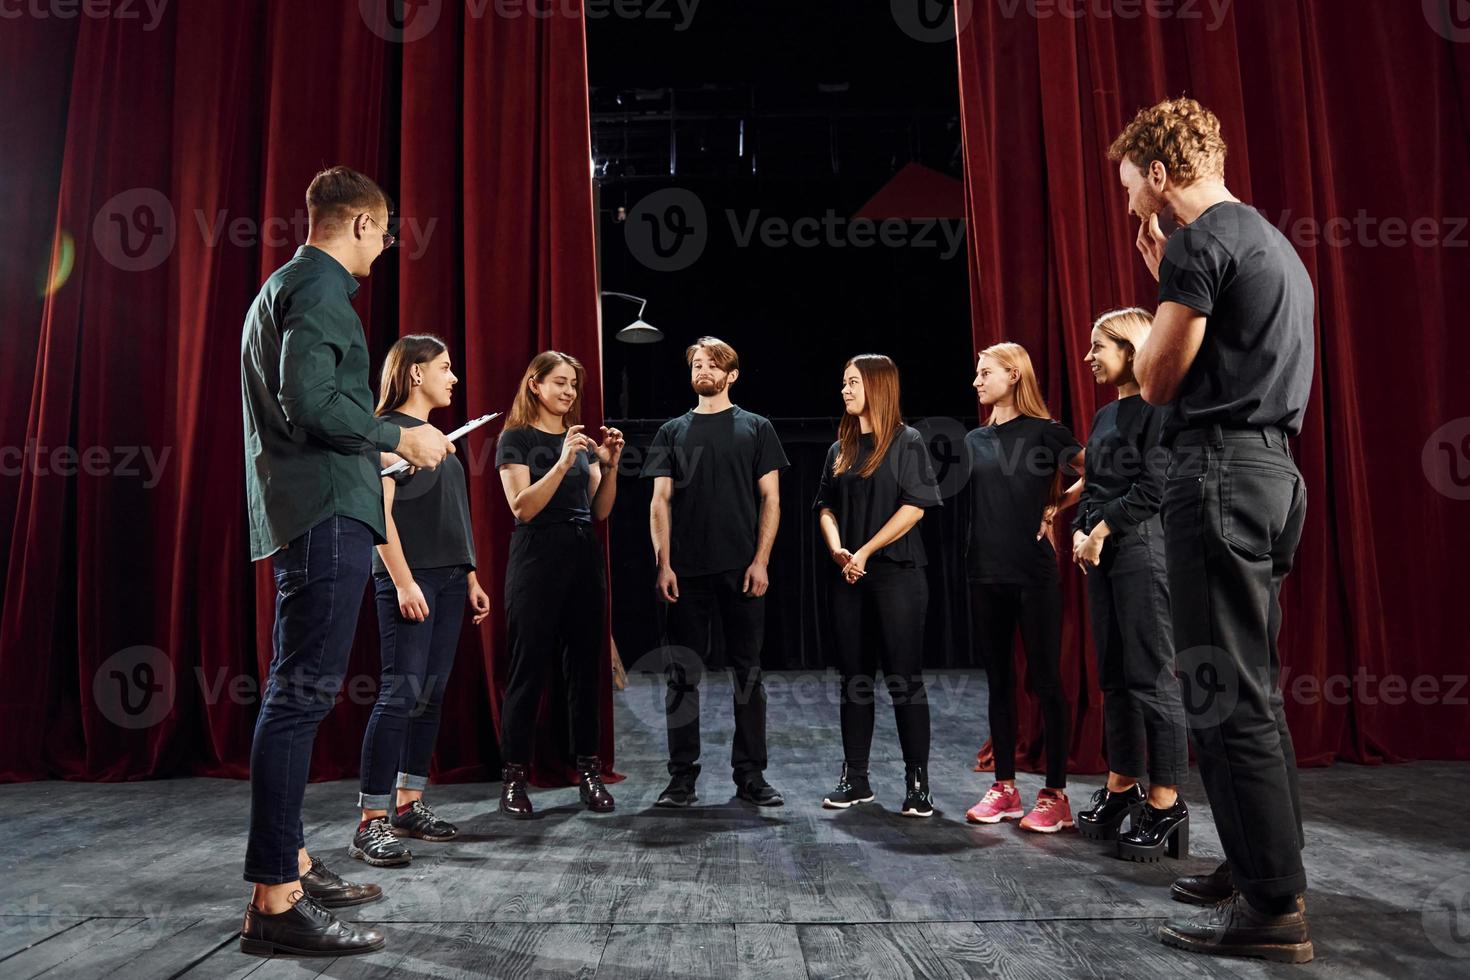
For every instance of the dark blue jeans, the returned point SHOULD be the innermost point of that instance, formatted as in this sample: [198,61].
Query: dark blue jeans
[320,577]
[416,659]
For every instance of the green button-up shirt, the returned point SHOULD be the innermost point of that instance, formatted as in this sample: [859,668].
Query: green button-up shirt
[311,439]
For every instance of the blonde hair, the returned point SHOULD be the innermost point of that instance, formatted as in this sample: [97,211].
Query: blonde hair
[1181,134]
[1128,328]
[526,408]
[1013,357]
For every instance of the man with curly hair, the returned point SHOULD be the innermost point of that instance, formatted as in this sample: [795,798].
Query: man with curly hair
[1231,354]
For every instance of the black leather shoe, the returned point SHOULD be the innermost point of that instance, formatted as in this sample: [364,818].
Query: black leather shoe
[327,888]
[1105,814]
[1210,889]
[589,785]
[419,822]
[852,787]
[1235,928]
[680,791]
[1156,832]
[305,929]
[515,802]
[917,801]
[756,790]
[376,845]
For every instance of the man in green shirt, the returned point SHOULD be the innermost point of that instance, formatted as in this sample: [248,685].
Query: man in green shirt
[316,509]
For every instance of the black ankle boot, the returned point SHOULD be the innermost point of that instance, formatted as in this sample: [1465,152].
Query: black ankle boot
[916,800]
[589,784]
[1101,820]
[515,801]
[1156,832]
[852,787]
[1236,928]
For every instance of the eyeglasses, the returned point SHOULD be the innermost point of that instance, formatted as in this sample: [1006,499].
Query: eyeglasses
[388,239]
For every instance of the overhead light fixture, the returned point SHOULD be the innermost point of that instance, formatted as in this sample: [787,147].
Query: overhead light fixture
[639,331]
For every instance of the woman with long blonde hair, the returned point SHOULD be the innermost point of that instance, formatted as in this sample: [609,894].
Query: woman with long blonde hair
[877,481]
[1118,541]
[1017,460]
[555,590]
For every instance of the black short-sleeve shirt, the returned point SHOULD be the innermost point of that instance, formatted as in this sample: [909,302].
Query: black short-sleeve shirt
[431,510]
[1255,365]
[716,461]
[862,505]
[1012,468]
[539,450]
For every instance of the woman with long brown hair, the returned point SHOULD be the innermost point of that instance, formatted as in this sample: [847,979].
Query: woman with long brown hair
[877,481]
[555,590]
[1017,459]
[422,579]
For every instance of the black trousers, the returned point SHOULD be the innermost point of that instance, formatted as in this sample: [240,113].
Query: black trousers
[878,623]
[555,603]
[1234,506]
[996,612]
[705,603]
[1143,714]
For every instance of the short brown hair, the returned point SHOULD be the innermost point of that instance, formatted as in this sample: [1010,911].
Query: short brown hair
[723,354]
[1181,134]
[340,194]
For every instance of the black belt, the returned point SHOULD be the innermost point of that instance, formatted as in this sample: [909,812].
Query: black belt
[1218,435]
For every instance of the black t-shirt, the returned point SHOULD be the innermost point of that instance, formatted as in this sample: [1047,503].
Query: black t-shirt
[1255,365]
[1012,468]
[431,510]
[715,461]
[1125,466]
[539,450]
[863,505]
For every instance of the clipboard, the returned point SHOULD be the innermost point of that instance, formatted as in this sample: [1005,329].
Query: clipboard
[454,436]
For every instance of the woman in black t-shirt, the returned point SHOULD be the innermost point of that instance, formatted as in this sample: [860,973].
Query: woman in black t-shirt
[1118,541]
[555,590]
[422,579]
[1017,460]
[876,483]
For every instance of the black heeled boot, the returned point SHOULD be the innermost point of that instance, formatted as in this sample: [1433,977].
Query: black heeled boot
[917,801]
[1101,820]
[515,801]
[1156,832]
[589,785]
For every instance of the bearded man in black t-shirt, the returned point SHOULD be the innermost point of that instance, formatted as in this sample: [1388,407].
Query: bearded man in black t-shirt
[716,505]
[1231,353]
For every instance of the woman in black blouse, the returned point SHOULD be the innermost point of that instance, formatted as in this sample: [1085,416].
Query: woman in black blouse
[555,590]
[1017,461]
[1118,540]
[876,483]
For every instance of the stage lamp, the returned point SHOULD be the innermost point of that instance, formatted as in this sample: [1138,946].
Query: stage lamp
[639,331]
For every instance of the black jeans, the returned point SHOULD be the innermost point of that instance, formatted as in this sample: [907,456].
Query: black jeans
[1143,714]
[878,622]
[555,613]
[416,660]
[996,611]
[320,577]
[1234,507]
[705,600]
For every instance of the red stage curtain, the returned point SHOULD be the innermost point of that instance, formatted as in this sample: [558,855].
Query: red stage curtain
[210,124]
[1333,109]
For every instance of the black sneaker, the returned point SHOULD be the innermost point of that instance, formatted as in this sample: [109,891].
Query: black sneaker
[679,792]
[852,787]
[756,790]
[376,845]
[917,802]
[305,929]
[421,822]
[327,888]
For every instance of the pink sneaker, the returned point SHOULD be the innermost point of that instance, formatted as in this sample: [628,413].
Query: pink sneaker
[1051,813]
[1002,802]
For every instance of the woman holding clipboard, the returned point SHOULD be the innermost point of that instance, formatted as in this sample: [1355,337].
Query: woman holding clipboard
[423,578]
